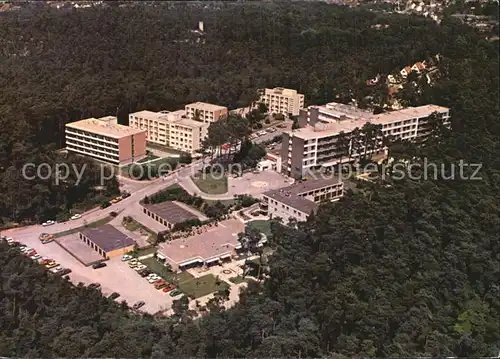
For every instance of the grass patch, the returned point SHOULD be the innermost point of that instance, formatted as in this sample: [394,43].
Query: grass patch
[211,185]
[262,226]
[237,280]
[162,271]
[95,224]
[199,287]
[225,202]
[162,148]
[146,251]
[132,225]
[149,157]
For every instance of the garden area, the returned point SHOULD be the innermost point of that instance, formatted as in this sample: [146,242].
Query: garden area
[210,184]
[261,226]
[132,225]
[202,286]
[169,276]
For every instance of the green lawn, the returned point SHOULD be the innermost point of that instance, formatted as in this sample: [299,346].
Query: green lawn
[163,148]
[97,223]
[162,271]
[133,226]
[145,251]
[237,280]
[225,202]
[199,287]
[261,225]
[211,185]
[149,157]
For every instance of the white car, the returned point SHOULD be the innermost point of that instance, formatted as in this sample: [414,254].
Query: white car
[76,216]
[48,223]
[126,257]
[140,267]
[36,257]
[56,269]
[26,249]
[154,279]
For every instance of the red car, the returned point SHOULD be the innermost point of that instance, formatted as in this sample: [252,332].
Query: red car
[168,288]
[31,253]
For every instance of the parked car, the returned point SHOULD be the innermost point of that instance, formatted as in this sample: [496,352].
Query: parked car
[95,285]
[46,238]
[56,270]
[168,288]
[138,305]
[175,293]
[99,265]
[76,216]
[140,267]
[48,223]
[36,257]
[51,264]
[125,194]
[160,285]
[64,271]
[126,257]
[114,295]
[144,273]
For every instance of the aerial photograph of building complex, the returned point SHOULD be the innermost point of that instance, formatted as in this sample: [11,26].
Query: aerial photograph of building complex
[246,179]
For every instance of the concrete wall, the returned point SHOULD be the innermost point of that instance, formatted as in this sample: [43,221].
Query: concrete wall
[125,147]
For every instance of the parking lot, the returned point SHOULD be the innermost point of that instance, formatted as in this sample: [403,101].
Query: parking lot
[115,277]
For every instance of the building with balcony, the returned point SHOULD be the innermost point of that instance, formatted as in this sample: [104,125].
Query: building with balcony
[171,129]
[205,112]
[301,199]
[283,101]
[331,134]
[105,140]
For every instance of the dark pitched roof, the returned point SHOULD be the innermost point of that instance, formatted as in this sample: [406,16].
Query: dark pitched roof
[310,185]
[292,200]
[291,195]
[108,238]
[171,212]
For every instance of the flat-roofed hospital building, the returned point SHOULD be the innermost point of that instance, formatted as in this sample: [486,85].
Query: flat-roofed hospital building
[206,112]
[282,100]
[104,139]
[316,143]
[172,129]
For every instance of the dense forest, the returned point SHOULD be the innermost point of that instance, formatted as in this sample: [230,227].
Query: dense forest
[402,271]
[59,66]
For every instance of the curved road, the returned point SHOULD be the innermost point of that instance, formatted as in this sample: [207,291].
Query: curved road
[93,215]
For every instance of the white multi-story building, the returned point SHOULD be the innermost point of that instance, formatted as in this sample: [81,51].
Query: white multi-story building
[317,143]
[105,140]
[283,101]
[205,112]
[170,129]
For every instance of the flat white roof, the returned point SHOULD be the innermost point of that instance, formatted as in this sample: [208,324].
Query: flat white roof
[320,130]
[206,106]
[281,91]
[147,114]
[96,126]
